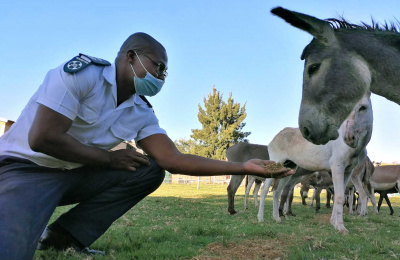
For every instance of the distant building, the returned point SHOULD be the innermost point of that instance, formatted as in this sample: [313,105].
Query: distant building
[5,125]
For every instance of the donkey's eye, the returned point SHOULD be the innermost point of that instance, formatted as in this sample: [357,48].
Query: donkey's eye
[313,68]
[363,108]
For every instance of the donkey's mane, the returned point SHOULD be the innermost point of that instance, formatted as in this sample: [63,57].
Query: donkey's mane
[343,24]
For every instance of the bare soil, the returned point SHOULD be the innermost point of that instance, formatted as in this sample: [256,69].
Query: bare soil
[245,250]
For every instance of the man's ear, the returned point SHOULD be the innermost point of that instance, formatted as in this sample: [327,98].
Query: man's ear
[130,55]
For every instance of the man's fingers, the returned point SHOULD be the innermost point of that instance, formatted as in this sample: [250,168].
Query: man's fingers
[132,164]
[128,160]
[291,172]
[132,169]
[143,160]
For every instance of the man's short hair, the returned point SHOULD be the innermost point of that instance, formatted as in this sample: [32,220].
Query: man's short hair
[140,41]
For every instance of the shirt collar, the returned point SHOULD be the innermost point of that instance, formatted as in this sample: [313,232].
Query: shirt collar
[110,75]
[138,100]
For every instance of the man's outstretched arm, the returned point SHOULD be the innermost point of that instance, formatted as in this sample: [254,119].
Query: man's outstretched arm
[166,154]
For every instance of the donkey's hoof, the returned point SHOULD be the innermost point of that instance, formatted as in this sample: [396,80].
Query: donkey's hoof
[341,229]
[232,211]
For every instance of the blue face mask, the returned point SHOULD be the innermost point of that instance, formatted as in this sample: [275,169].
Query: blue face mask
[147,86]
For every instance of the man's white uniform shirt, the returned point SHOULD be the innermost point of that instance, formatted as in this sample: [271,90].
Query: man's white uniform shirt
[89,98]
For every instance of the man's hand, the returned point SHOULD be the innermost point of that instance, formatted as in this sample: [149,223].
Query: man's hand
[258,167]
[127,160]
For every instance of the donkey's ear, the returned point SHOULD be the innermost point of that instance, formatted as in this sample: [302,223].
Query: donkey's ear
[320,29]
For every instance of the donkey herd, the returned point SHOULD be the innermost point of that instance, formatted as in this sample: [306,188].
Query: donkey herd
[344,63]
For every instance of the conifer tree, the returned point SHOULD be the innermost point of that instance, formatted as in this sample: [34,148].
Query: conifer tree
[186,145]
[222,123]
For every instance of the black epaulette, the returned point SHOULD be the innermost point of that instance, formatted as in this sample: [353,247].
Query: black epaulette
[81,61]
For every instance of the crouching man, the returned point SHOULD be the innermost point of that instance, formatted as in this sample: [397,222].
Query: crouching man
[58,151]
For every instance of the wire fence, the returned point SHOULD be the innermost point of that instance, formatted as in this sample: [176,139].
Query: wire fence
[185,179]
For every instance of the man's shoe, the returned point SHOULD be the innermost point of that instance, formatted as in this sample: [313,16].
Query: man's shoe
[88,251]
[51,239]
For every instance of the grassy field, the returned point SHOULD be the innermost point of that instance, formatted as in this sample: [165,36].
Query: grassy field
[183,222]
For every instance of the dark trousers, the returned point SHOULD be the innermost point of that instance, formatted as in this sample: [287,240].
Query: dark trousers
[30,193]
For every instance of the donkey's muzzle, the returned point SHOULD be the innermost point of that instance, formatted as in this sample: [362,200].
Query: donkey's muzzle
[319,134]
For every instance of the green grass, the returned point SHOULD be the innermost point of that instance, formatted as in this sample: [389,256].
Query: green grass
[182,222]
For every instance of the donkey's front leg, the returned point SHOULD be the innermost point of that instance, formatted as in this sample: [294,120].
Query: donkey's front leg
[337,213]
[362,195]
[371,195]
[264,192]
[255,193]
[277,195]
[250,181]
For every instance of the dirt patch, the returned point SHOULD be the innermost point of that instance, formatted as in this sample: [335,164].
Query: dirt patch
[247,249]
[323,218]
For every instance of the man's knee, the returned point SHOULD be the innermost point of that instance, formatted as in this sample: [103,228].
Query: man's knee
[146,177]
[156,172]
[160,178]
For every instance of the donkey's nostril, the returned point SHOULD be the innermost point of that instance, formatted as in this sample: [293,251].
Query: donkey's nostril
[306,132]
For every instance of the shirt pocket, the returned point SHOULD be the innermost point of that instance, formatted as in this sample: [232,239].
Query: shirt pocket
[123,132]
[88,114]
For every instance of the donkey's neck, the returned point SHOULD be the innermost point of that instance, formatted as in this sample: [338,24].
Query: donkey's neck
[381,50]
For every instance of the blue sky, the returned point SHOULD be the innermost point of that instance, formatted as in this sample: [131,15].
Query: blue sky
[236,46]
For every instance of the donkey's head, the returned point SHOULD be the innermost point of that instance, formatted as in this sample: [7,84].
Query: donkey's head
[357,128]
[334,79]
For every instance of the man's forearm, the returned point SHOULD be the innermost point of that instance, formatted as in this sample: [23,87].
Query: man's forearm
[199,166]
[65,147]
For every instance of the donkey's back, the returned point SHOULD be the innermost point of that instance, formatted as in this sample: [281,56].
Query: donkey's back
[385,175]
[289,144]
[242,152]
